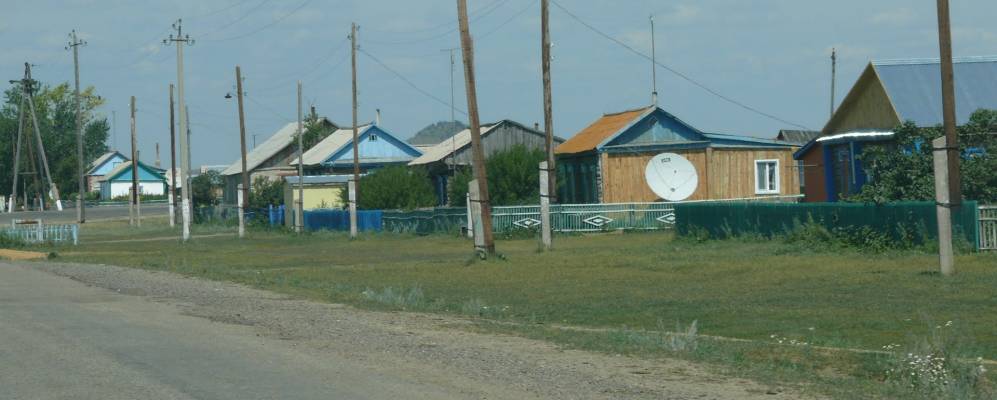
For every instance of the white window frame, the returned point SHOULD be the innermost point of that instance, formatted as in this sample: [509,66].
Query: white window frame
[778,177]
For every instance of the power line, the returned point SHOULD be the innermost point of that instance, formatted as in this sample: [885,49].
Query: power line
[438,26]
[497,4]
[274,22]
[218,11]
[410,83]
[315,67]
[239,19]
[506,22]
[674,71]
[272,111]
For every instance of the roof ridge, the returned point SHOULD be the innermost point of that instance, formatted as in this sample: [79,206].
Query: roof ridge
[645,108]
[929,60]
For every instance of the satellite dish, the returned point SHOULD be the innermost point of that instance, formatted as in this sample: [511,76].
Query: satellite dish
[671,177]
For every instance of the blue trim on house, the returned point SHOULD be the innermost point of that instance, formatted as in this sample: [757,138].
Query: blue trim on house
[363,136]
[829,186]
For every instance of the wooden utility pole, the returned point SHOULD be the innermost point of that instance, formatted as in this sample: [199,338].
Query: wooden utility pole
[244,190]
[135,192]
[356,147]
[948,103]
[17,159]
[173,163]
[545,57]
[299,225]
[180,40]
[53,189]
[75,44]
[834,76]
[480,174]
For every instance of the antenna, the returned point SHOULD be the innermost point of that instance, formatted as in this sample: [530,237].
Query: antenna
[834,71]
[654,67]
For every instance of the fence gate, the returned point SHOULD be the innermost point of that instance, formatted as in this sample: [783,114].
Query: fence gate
[988,228]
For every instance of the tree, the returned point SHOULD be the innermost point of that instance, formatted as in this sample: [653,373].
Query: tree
[513,178]
[904,170]
[395,188]
[55,107]
[266,192]
[205,188]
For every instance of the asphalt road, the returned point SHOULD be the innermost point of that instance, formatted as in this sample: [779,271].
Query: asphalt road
[61,339]
[92,213]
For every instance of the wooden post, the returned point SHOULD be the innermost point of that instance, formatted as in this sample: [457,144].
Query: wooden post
[548,99]
[545,228]
[470,218]
[356,146]
[944,207]
[352,188]
[948,104]
[473,196]
[131,206]
[244,187]
[299,225]
[481,201]
[134,193]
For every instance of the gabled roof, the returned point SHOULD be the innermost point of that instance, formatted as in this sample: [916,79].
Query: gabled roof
[452,145]
[590,138]
[127,166]
[100,161]
[266,150]
[915,89]
[340,139]
[798,137]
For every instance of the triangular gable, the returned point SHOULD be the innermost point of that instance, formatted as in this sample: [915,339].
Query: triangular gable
[870,97]
[654,127]
[385,147]
[104,163]
[146,173]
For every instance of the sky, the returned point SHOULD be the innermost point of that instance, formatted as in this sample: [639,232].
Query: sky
[772,56]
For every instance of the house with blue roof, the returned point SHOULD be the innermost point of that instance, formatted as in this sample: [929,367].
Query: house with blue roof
[609,161]
[118,181]
[887,94]
[376,148]
[101,166]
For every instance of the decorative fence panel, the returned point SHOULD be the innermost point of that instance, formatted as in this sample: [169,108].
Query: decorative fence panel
[988,228]
[38,233]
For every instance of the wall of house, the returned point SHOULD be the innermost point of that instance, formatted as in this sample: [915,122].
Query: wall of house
[723,174]
[815,190]
[110,190]
[501,138]
[576,179]
[866,107]
[316,196]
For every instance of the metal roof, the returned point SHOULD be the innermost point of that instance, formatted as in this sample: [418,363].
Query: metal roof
[798,137]
[605,127]
[915,88]
[103,159]
[452,145]
[330,145]
[121,168]
[279,141]
[320,179]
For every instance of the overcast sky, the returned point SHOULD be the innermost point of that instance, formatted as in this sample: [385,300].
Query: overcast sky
[771,55]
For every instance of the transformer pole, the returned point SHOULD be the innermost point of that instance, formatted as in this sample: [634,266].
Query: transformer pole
[75,43]
[180,40]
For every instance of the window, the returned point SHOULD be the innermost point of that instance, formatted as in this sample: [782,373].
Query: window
[801,167]
[767,177]
[373,137]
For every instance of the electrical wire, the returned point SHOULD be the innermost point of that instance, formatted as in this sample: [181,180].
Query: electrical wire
[218,11]
[264,27]
[410,83]
[265,107]
[438,26]
[674,71]
[283,81]
[237,20]
[506,22]
[498,4]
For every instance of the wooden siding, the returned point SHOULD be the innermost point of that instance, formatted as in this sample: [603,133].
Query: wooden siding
[725,174]
[815,190]
[501,138]
[866,107]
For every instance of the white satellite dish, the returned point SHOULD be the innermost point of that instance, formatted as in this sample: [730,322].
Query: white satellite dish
[671,177]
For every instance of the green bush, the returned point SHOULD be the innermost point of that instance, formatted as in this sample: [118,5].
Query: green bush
[265,192]
[513,178]
[204,189]
[394,188]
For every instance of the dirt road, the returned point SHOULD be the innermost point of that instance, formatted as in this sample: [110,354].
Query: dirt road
[115,333]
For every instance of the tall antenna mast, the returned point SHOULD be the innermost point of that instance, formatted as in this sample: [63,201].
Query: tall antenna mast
[834,71]
[654,67]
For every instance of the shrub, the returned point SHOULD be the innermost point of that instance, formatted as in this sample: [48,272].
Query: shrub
[266,192]
[394,188]
[513,178]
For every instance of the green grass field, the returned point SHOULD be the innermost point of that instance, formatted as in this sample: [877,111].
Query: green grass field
[622,290]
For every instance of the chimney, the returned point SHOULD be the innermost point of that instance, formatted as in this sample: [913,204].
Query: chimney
[536,126]
[377,119]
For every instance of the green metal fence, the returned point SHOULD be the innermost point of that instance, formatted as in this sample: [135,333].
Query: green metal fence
[894,219]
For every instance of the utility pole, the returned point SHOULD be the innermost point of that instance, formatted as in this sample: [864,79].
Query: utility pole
[244,191]
[453,109]
[954,189]
[834,76]
[29,91]
[356,147]
[135,192]
[180,40]
[481,175]
[158,163]
[75,44]
[17,158]
[654,67]
[300,212]
[545,57]
[173,163]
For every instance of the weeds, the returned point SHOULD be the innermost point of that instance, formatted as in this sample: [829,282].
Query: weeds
[406,300]
[936,367]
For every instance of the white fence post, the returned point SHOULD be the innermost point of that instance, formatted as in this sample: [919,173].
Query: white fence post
[474,198]
[545,228]
[352,188]
[242,212]
[470,220]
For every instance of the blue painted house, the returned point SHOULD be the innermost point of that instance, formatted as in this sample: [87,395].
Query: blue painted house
[887,94]
[118,181]
[377,148]
[607,162]
[101,166]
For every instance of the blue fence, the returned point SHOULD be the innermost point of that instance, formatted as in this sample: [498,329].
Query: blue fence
[339,220]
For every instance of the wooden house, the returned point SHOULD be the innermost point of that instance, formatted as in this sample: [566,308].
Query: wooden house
[376,148]
[270,159]
[606,162]
[885,95]
[454,153]
[101,166]
[118,182]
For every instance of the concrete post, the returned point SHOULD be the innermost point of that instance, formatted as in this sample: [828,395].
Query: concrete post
[352,188]
[470,220]
[242,211]
[474,197]
[545,228]
[946,259]
[131,206]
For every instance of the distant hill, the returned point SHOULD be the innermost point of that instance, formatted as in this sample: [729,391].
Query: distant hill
[436,133]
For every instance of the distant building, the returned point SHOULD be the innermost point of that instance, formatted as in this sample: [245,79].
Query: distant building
[118,182]
[797,137]
[376,148]
[101,166]
[887,94]
[269,159]
[607,161]
[455,152]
